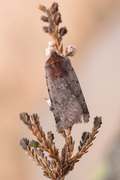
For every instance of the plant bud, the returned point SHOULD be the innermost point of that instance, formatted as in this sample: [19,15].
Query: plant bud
[42,8]
[46,29]
[54,7]
[49,50]
[51,44]
[71,50]
[57,18]
[63,31]
[44,18]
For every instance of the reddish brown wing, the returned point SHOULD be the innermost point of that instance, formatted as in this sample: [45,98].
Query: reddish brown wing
[67,101]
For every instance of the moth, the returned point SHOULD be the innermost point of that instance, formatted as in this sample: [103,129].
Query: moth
[67,101]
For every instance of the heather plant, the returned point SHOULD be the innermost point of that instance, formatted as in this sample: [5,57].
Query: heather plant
[66,102]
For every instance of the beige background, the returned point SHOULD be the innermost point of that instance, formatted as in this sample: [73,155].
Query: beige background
[94,27]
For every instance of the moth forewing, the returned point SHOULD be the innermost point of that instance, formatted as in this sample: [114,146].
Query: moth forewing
[67,101]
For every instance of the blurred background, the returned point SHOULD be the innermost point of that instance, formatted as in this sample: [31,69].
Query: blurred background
[94,28]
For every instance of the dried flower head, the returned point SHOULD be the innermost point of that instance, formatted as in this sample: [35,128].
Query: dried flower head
[46,29]
[42,8]
[53,18]
[24,142]
[63,31]
[44,18]
[70,50]
[97,121]
[54,8]
[51,44]
[49,50]
[57,18]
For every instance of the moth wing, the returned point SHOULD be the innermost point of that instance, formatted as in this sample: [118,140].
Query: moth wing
[64,105]
[62,88]
[74,85]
